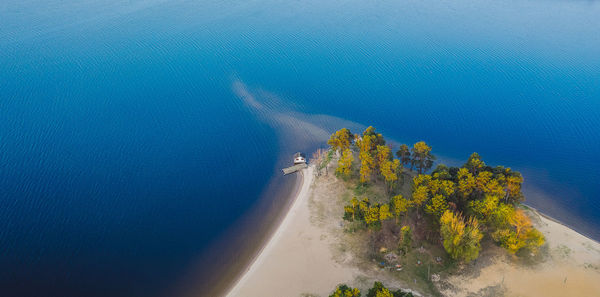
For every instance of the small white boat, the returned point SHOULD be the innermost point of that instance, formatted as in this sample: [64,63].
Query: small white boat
[299,158]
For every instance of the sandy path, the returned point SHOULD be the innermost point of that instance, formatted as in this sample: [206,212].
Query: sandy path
[297,259]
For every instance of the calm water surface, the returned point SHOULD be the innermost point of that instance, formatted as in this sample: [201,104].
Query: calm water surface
[125,152]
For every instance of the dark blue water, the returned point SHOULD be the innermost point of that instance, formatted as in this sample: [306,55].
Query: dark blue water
[125,151]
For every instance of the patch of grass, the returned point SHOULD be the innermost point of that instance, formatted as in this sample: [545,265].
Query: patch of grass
[526,257]
[491,291]
[361,189]
[346,197]
[563,251]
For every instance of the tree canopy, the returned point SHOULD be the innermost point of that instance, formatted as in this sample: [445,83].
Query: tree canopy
[345,163]
[422,158]
[461,203]
[341,139]
[460,239]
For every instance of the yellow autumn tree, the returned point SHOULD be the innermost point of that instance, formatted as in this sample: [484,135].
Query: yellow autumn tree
[400,206]
[345,163]
[461,239]
[345,291]
[520,233]
[419,197]
[372,215]
[341,139]
[384,212]
[384,153]
[384,293]
[482,179]
[474,163]
[368,163]
[436,206]
[422,158]
[484,208]
[366,166]
[513,187]
[466,182]
[390,171]
[441,187]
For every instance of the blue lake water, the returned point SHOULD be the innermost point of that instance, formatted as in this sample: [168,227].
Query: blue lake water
[125,151]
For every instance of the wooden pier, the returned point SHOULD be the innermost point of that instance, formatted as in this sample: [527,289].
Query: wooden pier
[294,168]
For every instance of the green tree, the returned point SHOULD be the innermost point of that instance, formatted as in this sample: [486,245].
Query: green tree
[404,154]
[355,210]
[441,172]
[422,158]
[474,163]
[500,216]
[379,290]
[483,209]
[461,239]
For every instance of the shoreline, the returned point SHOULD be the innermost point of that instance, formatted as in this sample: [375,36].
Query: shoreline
[222,265]
[570,266]
[554,220]
[299,194]
[281,261]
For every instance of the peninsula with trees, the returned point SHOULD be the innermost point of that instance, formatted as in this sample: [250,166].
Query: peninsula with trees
[398,206]
[379,219]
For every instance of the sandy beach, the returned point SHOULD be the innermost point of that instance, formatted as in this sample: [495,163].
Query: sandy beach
[570,267]
[297,259]
[303,257]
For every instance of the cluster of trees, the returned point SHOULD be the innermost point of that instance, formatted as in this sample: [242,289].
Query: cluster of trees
[378,290]
[463,203]
[345,291]
[487,196]
[372,214]
[376,158]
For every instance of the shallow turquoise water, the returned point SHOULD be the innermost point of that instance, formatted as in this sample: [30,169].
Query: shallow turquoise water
[125,151]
